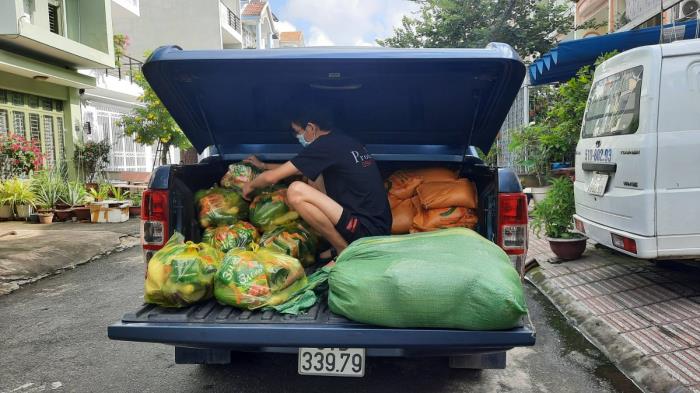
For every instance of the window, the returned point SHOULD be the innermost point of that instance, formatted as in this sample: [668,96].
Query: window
[613,105]
[56,16]
[4,126]
[18,99]
[18,123]
[3,96]
[58,105]
[61,139]
[34,130]
[49,149]
[32,101]
[46,104]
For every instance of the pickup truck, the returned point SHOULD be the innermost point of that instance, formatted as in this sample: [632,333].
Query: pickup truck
[411,107]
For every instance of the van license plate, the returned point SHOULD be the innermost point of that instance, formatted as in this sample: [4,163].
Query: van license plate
[333,362]
[598,184]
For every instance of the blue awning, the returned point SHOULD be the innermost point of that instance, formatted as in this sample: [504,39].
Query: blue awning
[561,63]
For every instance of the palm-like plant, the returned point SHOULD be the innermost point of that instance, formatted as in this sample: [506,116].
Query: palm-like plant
[100,193]
[118,193]
[18,192]
[73,194]
[47,186]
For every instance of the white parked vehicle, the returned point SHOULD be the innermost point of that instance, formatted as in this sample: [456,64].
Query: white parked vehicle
[637,185]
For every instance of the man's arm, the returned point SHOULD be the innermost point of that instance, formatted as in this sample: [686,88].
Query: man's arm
[265,166]
[270,177]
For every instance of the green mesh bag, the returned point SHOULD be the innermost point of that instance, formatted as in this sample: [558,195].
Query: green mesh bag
[451,278]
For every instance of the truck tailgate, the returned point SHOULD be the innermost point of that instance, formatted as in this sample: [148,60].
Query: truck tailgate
[211,325]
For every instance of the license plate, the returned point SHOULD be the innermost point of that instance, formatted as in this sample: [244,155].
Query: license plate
[598,184]
[333,362]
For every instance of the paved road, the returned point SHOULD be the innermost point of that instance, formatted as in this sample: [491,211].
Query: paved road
[53,337]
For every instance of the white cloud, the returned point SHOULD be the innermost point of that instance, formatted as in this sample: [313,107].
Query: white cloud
[284,25]
[318,37]
[348,22]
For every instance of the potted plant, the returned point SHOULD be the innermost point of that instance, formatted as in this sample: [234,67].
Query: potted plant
[47,186]
[135,208]
[20,197]
[92,159]
[118,193]
[5,204]
[73,195]
[554,216]
[99,193]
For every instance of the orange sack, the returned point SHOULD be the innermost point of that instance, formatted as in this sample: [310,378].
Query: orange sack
[403,184]
[402,216]
[450,217]
[393,201]
[444,194]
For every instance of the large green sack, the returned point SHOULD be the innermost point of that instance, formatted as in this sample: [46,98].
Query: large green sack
[451,278]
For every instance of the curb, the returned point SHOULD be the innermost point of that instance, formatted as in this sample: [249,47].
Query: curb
[643,372]
[125,242]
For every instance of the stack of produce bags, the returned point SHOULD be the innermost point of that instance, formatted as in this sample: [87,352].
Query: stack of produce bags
[227,237]
[428,199]
[181,273]
[220,206]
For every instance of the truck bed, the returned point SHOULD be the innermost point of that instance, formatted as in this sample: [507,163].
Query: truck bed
[211,325]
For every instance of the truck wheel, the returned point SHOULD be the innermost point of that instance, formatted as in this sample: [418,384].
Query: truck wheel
[184,355]
[479,361]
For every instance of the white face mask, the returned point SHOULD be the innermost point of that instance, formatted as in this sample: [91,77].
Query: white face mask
[302,140]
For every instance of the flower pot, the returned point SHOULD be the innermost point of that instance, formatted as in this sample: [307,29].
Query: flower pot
[62,206]
[23,211]
[64,214]
[568,249]
[81,213]
[5,211]
[33,218]
[45,218]
[134,211]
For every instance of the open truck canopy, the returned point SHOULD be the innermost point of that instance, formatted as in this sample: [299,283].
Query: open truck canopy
[404,104]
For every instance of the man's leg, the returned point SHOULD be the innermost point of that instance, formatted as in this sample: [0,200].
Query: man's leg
[318,210]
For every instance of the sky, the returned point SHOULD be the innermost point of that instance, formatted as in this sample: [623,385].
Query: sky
[341,22]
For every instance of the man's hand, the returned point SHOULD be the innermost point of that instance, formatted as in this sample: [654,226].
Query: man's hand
[247,190]
[252,160]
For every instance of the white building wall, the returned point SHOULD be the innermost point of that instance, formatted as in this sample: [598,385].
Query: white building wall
[186,23]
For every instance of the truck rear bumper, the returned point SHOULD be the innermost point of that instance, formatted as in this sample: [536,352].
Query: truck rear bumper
[282,338]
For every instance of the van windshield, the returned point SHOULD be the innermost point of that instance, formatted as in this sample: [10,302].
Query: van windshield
[613,105]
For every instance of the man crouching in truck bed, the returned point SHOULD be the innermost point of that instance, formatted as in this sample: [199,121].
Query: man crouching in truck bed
[347,200]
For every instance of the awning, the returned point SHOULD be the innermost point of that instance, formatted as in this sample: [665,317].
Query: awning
[561,63]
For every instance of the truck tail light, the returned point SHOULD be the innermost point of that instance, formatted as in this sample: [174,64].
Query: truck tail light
[625,243]
[154,221]
[512,227]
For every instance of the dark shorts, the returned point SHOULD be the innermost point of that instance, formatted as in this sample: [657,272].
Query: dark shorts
[351,227]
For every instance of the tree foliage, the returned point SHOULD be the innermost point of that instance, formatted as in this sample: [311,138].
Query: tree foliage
[529,26]
[151,123]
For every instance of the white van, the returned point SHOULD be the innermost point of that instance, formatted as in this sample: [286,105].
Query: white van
[637,185]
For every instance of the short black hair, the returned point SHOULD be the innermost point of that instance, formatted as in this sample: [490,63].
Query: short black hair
[322,117]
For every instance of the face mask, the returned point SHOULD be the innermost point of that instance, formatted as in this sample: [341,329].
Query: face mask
[303,141]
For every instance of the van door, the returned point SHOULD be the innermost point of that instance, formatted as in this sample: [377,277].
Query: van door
[678,177]
[616,155]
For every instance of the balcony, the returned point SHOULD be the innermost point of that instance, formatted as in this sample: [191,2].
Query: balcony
[57,34]
[230,27]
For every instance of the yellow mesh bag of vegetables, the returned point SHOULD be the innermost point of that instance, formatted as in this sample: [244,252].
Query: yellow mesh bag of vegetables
[256,279]
[220,206]
[227,237]
[293,239]
[181,273]
[270,210]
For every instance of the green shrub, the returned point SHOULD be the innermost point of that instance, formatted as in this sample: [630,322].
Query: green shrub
[555,213]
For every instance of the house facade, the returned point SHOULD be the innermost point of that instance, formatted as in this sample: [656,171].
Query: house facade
[43,44]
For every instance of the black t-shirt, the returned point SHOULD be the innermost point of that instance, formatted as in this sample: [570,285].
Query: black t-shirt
[351,177]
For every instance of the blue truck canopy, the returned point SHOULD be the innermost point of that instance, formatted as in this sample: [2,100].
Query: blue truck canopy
[404,104]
